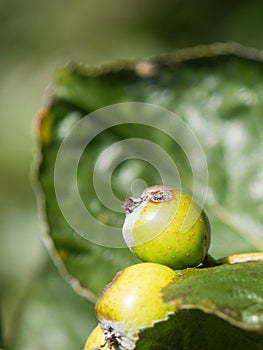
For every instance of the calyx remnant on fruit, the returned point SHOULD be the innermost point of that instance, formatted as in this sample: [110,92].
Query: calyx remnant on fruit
[156,194]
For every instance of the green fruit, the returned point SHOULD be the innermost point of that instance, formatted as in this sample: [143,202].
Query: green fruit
[166,226]
[96,340]
[133,301]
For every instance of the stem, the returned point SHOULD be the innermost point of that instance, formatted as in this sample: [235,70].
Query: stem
[209,261]
[241,258]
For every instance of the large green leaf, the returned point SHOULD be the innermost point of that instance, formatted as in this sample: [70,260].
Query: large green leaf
[233,292]
[196,330]
[217,308]
[217,91]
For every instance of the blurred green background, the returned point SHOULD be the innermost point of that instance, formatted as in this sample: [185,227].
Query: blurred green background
[38,309]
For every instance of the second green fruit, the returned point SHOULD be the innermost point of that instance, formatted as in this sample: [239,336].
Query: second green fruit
[133,301]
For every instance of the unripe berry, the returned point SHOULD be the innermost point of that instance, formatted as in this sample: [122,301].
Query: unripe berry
[96,340]
[166,226]
[133,301]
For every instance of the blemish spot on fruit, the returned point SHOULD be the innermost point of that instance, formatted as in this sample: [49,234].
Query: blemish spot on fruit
[169,247]
[177,239]
[192,233]
[187,254]
[188,238]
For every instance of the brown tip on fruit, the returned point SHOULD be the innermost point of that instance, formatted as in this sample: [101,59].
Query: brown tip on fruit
[131,204]
[155,194]
[158,194]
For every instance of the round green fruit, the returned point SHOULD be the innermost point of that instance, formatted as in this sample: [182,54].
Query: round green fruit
[96,340]
[133,301]
[166,226]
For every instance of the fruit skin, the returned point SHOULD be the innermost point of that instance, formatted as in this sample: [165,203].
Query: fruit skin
[132,301]
[166,226]
[96,340]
